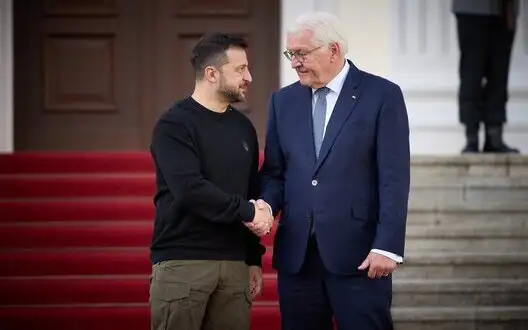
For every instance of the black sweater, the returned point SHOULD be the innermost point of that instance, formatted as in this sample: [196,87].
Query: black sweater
[206,172]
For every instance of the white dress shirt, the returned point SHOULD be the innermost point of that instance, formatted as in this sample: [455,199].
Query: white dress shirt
[335,86]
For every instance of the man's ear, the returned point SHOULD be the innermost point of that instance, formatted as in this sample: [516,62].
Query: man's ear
[210,74]
[335,50]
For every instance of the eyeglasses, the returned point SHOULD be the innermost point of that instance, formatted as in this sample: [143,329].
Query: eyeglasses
[300,56]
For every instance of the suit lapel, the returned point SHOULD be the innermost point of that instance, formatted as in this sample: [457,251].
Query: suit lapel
[345,103]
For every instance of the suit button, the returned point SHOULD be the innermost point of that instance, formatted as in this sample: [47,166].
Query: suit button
[314,183]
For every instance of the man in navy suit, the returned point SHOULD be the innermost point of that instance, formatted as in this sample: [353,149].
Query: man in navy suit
[337,164]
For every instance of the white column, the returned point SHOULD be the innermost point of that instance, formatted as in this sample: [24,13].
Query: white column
[424,59]
[6,76]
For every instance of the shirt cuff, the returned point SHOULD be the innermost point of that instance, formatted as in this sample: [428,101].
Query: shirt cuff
[390,255]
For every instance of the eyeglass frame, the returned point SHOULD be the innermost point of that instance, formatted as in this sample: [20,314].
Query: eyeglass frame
[300,56]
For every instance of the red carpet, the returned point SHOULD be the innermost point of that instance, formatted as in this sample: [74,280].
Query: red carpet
[108,289]
[74,235]
[34,211]
[105,318]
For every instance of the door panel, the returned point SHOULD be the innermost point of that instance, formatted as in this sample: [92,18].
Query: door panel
[77,75]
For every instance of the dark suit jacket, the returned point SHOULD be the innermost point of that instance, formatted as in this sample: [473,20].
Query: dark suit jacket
[356,192]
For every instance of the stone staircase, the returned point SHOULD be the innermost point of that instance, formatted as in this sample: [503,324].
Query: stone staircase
[466,265]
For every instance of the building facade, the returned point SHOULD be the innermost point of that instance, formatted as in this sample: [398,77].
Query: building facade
[75,76]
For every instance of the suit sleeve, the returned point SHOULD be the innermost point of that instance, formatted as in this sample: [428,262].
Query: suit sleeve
[177,158]
[255,249]
[393,160]
[273,166]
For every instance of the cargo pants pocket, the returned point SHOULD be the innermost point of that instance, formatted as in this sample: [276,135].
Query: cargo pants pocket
[170,307]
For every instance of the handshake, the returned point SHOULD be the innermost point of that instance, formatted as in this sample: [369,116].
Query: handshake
[263,220]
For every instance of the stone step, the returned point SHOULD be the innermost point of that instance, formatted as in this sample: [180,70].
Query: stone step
[468,183]
[463,265]
[491,238]
[481,165]
[456,292]
[482,194]
[473,218]
[461,318]
[494,230]
[453,181]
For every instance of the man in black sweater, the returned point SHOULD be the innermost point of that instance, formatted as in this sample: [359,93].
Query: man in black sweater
[206,250]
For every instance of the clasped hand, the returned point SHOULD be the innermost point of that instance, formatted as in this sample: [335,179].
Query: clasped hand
[263,220]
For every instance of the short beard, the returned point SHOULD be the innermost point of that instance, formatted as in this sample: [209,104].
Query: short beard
[229,94]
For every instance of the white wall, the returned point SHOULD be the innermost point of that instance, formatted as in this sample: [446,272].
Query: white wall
[368,33]
[6,77]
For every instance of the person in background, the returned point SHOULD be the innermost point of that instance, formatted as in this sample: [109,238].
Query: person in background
[337,166]
[206,250]
[486,30]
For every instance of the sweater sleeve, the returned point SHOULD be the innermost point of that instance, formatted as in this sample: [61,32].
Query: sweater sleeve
[177,158]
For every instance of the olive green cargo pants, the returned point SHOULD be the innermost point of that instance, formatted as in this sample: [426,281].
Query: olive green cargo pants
[200,295]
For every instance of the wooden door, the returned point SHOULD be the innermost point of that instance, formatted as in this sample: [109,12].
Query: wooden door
[96,74]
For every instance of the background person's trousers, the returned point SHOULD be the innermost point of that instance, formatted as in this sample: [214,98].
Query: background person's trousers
[485,51]
[200,295]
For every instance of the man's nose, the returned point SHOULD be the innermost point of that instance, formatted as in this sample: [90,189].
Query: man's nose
[295,63]
[248,77]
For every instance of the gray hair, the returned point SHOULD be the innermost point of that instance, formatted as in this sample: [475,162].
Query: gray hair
[326,29]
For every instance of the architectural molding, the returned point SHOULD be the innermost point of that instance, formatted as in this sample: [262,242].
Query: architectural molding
[424,46]
[6,74]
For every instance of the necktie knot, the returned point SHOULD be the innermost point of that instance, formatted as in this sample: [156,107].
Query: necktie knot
[322,92]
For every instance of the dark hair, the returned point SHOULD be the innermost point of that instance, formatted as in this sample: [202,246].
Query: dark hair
[211,50]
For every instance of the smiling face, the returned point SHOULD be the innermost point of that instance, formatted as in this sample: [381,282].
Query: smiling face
[313,62]
[234,76]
